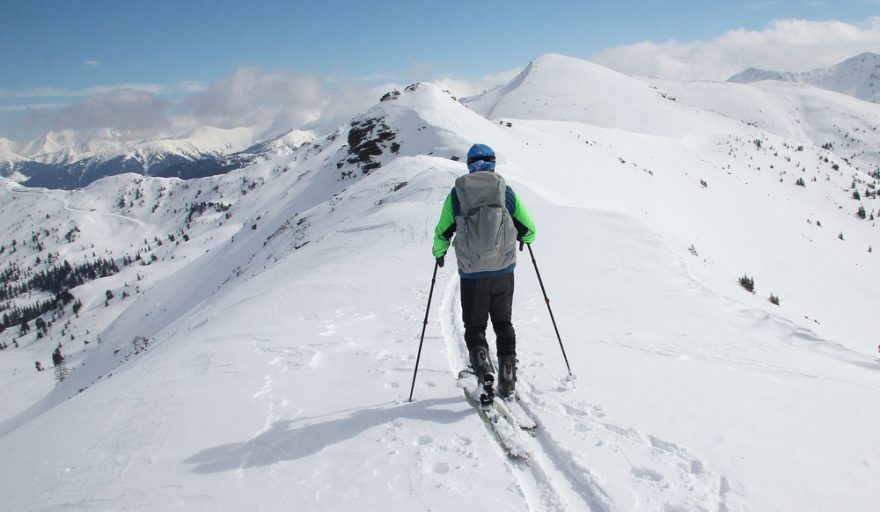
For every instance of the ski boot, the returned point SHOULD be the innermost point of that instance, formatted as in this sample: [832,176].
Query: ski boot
[507,377]
[488,394]
[483,370]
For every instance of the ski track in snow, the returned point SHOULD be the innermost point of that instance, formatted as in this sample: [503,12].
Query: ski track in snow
[540,478]
[556,477]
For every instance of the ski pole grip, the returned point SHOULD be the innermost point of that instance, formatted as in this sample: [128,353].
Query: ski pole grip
[521,244]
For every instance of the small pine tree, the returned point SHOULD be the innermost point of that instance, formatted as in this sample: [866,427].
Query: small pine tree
[747,282]
[773,299]
[57,356]
[41,326]
[862,213]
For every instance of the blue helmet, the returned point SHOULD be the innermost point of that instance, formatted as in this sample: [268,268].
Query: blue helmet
[480,158]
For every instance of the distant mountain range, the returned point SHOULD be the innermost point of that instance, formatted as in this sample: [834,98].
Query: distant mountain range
[858,77]
[69,159]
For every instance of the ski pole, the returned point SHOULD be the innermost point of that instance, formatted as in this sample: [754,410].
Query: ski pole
[424,326]
[547,300]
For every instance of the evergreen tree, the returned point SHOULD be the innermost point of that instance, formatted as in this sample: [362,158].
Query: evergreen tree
[747,282]
[57,356]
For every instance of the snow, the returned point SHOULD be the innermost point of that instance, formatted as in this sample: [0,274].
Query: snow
[283,334]
[8,148]
[856,76]
[71,145]
[567,89]
[204,140]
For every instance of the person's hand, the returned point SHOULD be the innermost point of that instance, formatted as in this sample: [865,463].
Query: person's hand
[440,261]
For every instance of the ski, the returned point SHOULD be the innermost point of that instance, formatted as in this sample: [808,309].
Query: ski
[517,414]
[496,419]
[510,408]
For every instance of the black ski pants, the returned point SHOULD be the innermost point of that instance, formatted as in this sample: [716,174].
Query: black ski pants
[485,298]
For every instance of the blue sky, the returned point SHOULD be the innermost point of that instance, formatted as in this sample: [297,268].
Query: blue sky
[57,53]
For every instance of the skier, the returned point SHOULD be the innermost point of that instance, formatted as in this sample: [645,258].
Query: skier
[489,219]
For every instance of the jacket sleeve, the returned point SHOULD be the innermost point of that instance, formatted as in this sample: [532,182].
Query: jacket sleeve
[525,228]
[445,228]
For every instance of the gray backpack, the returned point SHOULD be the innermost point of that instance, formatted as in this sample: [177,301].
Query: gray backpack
[485,239]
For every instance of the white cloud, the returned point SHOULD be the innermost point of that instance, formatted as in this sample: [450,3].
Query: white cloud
[463,88]
[249,96]
[784,45]
[29,106]
[60,92]
[92,63]
[125,109]
[191,86]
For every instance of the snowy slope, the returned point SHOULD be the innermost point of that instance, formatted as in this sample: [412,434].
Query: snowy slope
[858,76]
[848,126]
[282,334]
[566,89]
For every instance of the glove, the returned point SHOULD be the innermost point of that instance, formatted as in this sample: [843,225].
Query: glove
[440,261]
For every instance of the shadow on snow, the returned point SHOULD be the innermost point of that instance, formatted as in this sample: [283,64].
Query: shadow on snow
[294,439]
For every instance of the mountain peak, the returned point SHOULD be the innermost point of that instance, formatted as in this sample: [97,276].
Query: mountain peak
[865,56]
[857,76]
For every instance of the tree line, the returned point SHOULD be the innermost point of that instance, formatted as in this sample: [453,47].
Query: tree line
[56,280]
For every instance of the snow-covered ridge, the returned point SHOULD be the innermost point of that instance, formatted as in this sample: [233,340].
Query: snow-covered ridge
[560,88]
[846,126]
[858,76]
[258,343]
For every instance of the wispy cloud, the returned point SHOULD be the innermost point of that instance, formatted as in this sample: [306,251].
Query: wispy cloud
[462,88]
[249,96]
[92,63]
[122,109]
[252,96]
[60,92]
[191,86]
[784,45]
[29,106]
